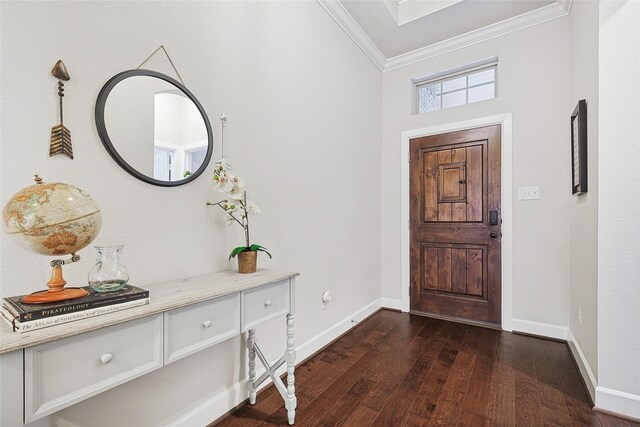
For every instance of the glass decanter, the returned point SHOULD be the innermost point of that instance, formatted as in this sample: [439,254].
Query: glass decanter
[109,274]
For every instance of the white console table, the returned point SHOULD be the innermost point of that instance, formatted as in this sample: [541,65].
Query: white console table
[184,317]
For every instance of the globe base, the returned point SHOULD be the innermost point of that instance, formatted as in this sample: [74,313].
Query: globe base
[43,297]
[56,292]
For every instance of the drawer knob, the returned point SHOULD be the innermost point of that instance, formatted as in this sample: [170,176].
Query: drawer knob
[106,358]
[206,323]
[267,303]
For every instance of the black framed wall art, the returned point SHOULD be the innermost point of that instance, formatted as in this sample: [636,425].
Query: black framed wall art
[579,149]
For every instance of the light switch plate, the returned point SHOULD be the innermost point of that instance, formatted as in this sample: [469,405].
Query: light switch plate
[529,193]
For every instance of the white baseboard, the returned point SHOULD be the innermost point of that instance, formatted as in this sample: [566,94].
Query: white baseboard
[230,397]
[207,412]
[618,402]
[538,328]
[314,344]
[583,365]
[392,303]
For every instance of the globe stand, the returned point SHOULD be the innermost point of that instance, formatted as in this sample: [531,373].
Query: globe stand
[56,291]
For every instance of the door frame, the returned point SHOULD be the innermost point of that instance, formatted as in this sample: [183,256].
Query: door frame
[506,177]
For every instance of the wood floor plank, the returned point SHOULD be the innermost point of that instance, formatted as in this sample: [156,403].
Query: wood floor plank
[575,395]
[398,369]
[426,400]
[388,374]
[528,410]
[394,394]
[501,406]
[352,351]
[398,335]
[317,374]
[279,417]
[392,366]
[404,397]
[374,326]
[266,404]
[554,408]
[361,416]
[337,414]
[476,400]
[449,406]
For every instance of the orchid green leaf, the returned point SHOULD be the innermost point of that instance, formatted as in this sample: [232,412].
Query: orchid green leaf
[236,251]
[261,249]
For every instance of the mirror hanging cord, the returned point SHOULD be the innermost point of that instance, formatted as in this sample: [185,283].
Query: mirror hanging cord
[168,57]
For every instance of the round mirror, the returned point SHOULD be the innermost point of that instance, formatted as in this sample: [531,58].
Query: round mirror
[154,127]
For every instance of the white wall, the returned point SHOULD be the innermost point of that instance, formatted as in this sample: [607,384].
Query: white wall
[303,104]
[533,82]
[618,209]
[584,209]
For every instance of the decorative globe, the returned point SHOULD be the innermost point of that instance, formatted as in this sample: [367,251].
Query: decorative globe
[52,219]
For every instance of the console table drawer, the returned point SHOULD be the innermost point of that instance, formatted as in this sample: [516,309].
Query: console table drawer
[64,372]
[263,303]
[192,328]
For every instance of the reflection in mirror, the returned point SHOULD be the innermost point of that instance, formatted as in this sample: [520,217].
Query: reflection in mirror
[179,145]
[154,127]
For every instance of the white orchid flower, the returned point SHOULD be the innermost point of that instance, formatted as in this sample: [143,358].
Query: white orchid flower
[217,180]
[224,182]
[236,193]
[227,220]
[228,186]
[238,182]
[252,208]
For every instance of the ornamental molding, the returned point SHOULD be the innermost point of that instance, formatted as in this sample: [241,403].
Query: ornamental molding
[336,10]
[343,18]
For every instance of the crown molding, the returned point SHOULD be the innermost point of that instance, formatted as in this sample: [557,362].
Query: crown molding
[537,16]
[336,10]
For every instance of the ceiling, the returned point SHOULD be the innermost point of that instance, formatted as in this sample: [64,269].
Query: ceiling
[404,11]
[436,20]
[396,33]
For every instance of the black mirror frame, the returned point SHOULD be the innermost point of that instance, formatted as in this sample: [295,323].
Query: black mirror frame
[104,135]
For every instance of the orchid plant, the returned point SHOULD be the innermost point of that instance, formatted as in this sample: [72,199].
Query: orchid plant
[236,206]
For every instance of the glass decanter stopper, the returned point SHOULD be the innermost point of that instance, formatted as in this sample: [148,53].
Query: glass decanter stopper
[109,274]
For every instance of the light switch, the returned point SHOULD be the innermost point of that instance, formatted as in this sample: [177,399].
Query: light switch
[529,193]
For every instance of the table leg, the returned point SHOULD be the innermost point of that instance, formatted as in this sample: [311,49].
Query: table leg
[291,401]
[252,365]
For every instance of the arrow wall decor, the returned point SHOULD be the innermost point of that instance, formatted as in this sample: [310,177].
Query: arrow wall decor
[60,135]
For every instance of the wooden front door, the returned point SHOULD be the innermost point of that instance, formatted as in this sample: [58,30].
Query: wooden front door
[455,225]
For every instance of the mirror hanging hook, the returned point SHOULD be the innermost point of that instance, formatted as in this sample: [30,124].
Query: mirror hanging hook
[223,121]
[170,62]
[223,160]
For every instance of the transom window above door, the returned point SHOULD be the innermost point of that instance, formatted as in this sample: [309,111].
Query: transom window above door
[463,86]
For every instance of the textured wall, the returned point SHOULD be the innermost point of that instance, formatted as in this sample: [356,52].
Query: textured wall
[303,104]
[533,84]
[619,202]
[584,209]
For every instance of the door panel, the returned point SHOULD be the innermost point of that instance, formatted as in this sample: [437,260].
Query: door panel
[455,269]
[455,264]
[452,183]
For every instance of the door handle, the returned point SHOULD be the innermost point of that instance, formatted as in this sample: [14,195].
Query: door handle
[493,217]
[493,235]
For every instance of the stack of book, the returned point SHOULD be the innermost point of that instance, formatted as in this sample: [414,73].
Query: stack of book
[29,317]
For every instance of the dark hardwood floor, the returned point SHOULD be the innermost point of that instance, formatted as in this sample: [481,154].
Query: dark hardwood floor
[396,369]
